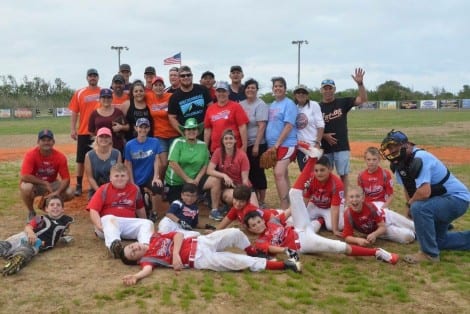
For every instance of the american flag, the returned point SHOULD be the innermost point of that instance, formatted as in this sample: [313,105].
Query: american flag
[176,59]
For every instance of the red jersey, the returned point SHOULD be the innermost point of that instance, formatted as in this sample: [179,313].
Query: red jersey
[219,118]
[108,200]
[45,167]
[84,101]
[158,106]
[160,252]
[276,234]
[325,194]
[233,167]
[235,214]
[377,186]
[365,221]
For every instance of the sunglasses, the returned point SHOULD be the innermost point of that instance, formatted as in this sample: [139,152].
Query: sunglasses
[186,75]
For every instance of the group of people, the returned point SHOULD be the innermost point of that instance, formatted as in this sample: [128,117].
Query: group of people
[188,142]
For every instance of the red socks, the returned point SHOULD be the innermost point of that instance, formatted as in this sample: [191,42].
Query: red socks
[305,175]
[362,251]
[275,265]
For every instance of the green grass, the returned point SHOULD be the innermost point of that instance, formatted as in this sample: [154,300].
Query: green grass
[329,283]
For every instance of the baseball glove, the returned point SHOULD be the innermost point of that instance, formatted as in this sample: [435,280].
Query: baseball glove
[40,202]
[268,159]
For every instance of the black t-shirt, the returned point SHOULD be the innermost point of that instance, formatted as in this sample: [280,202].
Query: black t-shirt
[192,104]
[133,114]
[239,96]
[335,114]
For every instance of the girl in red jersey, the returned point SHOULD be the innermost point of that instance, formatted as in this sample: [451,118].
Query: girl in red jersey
[375,223]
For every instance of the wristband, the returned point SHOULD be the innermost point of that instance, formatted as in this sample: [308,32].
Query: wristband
[360,84]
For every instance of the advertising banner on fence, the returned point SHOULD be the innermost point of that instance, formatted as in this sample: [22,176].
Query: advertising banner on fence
[428,104]
[449,104]
[388,104]
[63,112]
[42,113]
[5,113]
[465,103]
[409,104]
[23,113]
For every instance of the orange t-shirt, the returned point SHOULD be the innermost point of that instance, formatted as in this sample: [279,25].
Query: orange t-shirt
[84,101]
[158,107]
[117,101]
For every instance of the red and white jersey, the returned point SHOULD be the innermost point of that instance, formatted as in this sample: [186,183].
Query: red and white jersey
[45,167]
[365,221]
[276,234]
[325,194]
[377,186]
[160,251]
[109,200]
[239,215]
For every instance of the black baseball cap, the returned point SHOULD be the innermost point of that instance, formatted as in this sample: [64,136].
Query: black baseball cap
[234,68]
[207,73]
[92,72]
[125,67]
[118,78]
[45,133]
[150,70]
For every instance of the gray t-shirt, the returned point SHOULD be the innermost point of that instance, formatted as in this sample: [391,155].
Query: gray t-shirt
[256,111]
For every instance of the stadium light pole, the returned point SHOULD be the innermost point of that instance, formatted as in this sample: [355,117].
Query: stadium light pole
[298,43]
[119,48]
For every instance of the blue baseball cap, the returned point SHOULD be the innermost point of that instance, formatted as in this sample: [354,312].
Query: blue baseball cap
[142,121]
[45,133]
[328,82]
[106,93]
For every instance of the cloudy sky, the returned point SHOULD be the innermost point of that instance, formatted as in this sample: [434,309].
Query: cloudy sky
[421,44]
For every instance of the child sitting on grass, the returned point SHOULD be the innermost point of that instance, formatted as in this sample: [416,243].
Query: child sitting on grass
[40,234]
[375,223]
[183,214]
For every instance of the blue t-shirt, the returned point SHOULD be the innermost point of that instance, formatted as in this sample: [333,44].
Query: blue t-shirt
[142,157]
[433,171]
[280,113]
[188,213]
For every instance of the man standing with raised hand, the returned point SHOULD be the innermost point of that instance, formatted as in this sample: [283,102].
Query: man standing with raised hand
[335,141]
[84,101]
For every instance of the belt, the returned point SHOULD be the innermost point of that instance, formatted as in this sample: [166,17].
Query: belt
[192,252]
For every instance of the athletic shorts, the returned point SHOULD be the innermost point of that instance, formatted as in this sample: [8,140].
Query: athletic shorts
[286,153]
[84,143]
[165,143]
[340,161]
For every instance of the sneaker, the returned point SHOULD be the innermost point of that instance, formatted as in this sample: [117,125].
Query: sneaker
[420,257]
[14,265]
[116,248]
[382,255]
[5,246]
[224,209]
[78,190]
[216,215]
[66,239]
[293,265]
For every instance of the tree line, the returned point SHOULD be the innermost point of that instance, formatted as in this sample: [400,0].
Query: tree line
[37,92]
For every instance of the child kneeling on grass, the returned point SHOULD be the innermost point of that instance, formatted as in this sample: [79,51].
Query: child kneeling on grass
[40,234]
[172,250]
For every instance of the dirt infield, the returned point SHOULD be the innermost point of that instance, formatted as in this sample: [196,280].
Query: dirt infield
[452,155]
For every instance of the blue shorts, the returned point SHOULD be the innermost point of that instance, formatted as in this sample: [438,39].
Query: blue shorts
[165,143]
[340,161]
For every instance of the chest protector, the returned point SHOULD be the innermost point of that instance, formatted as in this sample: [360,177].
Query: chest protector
[409,170]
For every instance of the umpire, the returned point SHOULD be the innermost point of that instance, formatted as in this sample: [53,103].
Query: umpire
[435,197]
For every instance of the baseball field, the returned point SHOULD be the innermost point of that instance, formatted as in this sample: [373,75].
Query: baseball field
[81,277]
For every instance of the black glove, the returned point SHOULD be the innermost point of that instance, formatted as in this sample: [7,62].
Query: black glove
[292,254]
[185,225]
[156,189]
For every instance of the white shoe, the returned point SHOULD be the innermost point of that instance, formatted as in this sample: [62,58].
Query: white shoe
[309,150]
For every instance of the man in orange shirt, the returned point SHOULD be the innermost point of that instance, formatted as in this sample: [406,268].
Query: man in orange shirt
[119,95]
[149,75]
[84,101]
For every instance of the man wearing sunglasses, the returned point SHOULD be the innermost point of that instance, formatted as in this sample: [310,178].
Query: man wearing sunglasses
[189,101]
[435,197]
[335,142]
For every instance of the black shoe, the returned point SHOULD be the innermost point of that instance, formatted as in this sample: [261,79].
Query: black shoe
[293,265]
[116,248]
[78,190]
[5,247]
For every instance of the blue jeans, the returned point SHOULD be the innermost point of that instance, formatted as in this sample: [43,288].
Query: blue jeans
[432,218]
